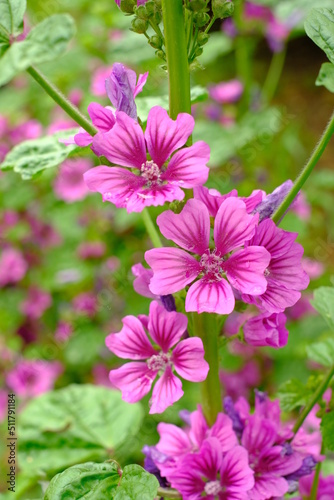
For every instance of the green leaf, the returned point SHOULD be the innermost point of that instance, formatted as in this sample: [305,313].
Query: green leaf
[326,76]
[73,425]
[90,481]
[327,430]
[319,26]
[323,302]
[47,41]
[322,352]
[31,157]
[137,483]
[292,394]
[11,16]
[104,481]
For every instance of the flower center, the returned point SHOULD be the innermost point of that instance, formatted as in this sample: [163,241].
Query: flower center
[159,361]
[213,488]
[212,265]
[151,173]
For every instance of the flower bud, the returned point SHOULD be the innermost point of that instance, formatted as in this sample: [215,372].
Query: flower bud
[202,38]
[197,5]
[155,42]
[201,19]
[198,52]
[150,8]
[139,25]
[222,8]
[141,13]
[127,6]
[160,54]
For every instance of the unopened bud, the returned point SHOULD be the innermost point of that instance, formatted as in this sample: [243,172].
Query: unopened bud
[202,38]
[139,25]
[198,52]
[127,6]
[160,54]
[201,19]
[197,5]
[155,42]
[140,12]
[222,8]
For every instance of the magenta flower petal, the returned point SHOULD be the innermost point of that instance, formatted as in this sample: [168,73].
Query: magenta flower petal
[164,135]
[142,280]
[269,486]
[288,270]
[124,144]
[174,442]
[189,229]
[266,330]
[275,299]
[187,168]
[81,139]
[236,475]
[173,269]
[212,198]
[245,270]
[259,434]
[209,461]
[103,118]
[133,379]
[214,297]
[166,328]
[166,391]
[277,241]
[114,183]
[131,342]
[222,430]
[154,195]
[198,427]
[188,360]
[253,200]
[140,83]
[233,226]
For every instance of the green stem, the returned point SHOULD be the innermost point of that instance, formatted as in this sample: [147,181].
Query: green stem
[151,229]
[205,326]
[315,484]
[61,100]
[304,174]
[168,493]
[210,24]
[177,57]
[273,75]
[242,56]
[317,395]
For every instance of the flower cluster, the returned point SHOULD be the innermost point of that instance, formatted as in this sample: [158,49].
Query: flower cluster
[243,455]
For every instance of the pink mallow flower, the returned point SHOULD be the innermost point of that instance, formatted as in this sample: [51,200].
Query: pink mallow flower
[31,378]
[226,92]
[13,267]
[85,303]
[132,342]
[36,302]
[325,487]
[69,184]
[266,330]
[175,268]
[212,474]
[155,180]
[285,275]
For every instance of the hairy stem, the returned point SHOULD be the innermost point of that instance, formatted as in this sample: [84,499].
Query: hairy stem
[61,100]
[304,174]
[177,57]
[168,493]
[313,401]
[205,326]
[151,229]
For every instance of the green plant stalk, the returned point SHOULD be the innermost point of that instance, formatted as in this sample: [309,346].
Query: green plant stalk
[151,229]
[168,493]
[317,395]
[242,56]
[205,326]
[315,484]
[304,174]
[273,76]
[61,100]
[177,57]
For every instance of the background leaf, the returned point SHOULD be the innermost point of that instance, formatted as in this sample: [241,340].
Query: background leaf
[327,430]
[47,41]
[323,302]
[322,352]
[11,16]
[326,76]
[319,26]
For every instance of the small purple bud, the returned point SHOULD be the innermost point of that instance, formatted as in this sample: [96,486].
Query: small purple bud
[307,468]
[185,416]
[168,302]
[120,88]
[237,424]
[150,453]
[271,202]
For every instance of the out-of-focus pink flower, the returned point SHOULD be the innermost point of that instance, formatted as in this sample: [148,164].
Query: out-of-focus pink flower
[31,378]
[220,268]
[43,234]
[242,382]
[302,308]
[226,92]
[3,404]
[75,96]
[30,129]
[135,379]
[63,332]
[13,266]
[313,268]
[325,487]
[113,263]
[69,184]
[266,330]
[98,85]
[36,302]
[301,207]
[156,182]
[60,124]
[85,303]
[101,376]
[116,35]
[92,250]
